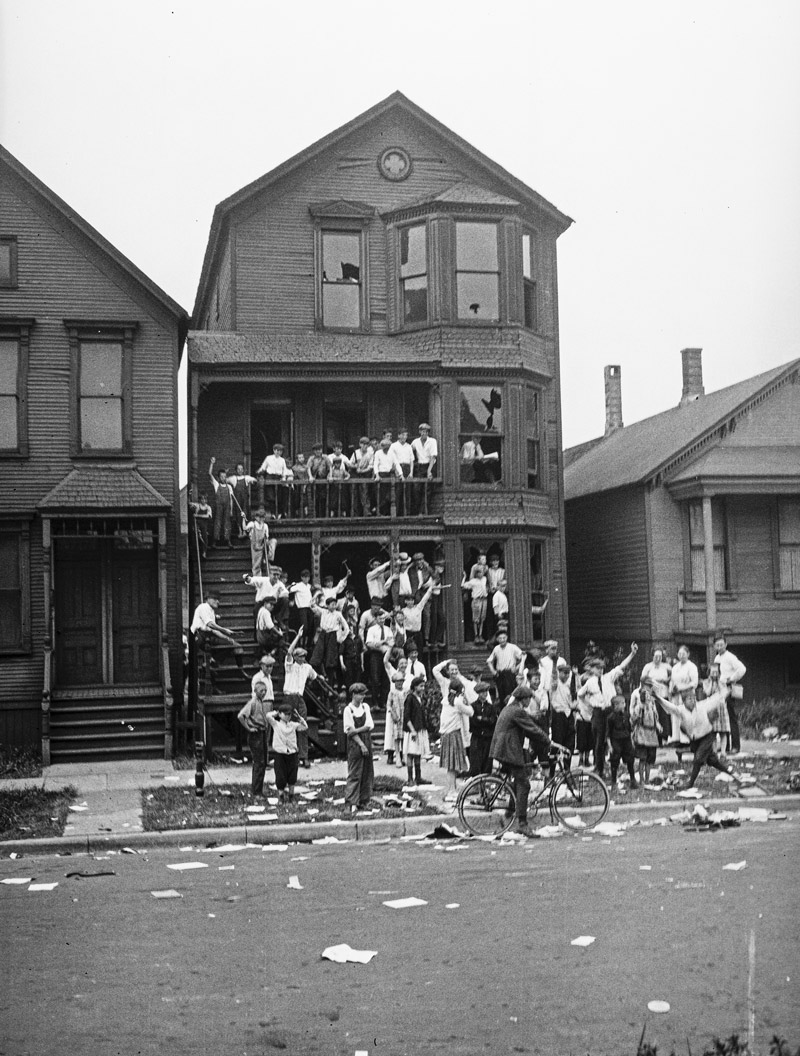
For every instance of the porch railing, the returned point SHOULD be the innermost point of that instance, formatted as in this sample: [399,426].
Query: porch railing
[359,497]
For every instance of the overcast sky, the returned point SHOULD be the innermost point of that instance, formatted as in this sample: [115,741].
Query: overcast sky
[670,132]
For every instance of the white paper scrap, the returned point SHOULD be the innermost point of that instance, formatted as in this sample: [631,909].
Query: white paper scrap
[658,1006]
[169,893]
[609,828]
[405,903]
[735,866]
[300,858]
[690,793]
[73,807]
[273,801]
[645,868]
[255,809]
[753,814]
[452,905]
[339,784]
[294,883]
[262,817]
[17,880]
[42,887]
[329,839]
[226,868]
[727,778]
[583,940]
[180,867]
[223,847]
[343,953]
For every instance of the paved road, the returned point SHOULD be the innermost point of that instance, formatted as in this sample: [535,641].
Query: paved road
[99,966]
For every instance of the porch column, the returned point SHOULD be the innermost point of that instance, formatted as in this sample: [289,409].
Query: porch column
[708,554]
[47,687]
[166,680]
[194,400]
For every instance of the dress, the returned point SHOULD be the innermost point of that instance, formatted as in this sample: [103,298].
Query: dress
[419,743]
[452,755]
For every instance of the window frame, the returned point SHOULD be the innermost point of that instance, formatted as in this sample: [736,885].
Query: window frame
[780,587]
[530,284]
[533,436]
[496,222]
[83,332]
[403,323]
[13,272]
[20,527]
[19,330]
[336,225]
[719,515]
[499,435]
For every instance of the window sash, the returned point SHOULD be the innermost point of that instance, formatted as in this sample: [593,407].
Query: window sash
[698,568]
[789,561]
[14,623]
[477,271]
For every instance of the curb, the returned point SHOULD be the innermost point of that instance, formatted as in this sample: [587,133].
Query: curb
[367,831]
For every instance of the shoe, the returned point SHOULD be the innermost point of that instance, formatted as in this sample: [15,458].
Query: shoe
[521,829]
[634,783]
[420,781]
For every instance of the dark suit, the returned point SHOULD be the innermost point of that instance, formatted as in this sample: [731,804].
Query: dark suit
[513,726]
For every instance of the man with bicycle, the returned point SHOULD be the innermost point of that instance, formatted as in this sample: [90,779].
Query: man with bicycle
[513,726]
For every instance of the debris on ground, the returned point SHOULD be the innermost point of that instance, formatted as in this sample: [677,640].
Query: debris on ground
[169,893]
[342,953]
[583,940]
[405,903]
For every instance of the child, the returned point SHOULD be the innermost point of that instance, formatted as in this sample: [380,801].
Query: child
[268,635]
[477,586]
[285,723]
[298,673]
[538,707]
[358,726]
[240,484]
[338,473]
[618,729]
[482,724]
[500,604]
[583,729]
[452,756]
[646,728]
[299,486]
[262,548]
[393,735]
[333,629]
[253,717]
[202,521]
[416,742]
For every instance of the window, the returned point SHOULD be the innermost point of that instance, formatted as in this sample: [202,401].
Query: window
[481,434]
[530,318]
[789,543]
[477,272]
[414,273]
[13,388]
[101,368]
[539,597]
[14,595]
[533,453]
[341,280]
[8,262]
[697,550]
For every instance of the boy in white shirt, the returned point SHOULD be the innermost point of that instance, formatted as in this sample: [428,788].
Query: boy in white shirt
[286,724]
[403,454]
[479,590]
[275,471]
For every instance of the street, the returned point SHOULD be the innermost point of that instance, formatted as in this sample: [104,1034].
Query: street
[98,965]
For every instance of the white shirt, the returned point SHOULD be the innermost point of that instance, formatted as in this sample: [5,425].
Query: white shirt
[403,453]
[506,657]
[296,676]
[731,668]
[697,722]
[265,588]
[302,595]
[385,462]
[275,466]
[659,673]
[203,615]
[597,692]
[425,450]
[376,582]
[684,676]
[478,587]
[546,669]
[353,717]
[561,697]
[259,676]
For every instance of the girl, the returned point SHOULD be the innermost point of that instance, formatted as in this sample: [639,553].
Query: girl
[659,672]
[393,736]
[646,728]
[358,726]
[452,756]
[684,677]
[415,739]
[721,723]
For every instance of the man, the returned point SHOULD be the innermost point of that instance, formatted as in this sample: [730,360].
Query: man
[695,718]
[434,627]
[319,468]
[275,472]
[240,483]
[376,580]
[505,660]
[377,638]
[207,631]
[549,662]
[514,724]
[384,467]
[361,465]
[731,672]
[426,453]
[597,692]
[419,574]
[223,505]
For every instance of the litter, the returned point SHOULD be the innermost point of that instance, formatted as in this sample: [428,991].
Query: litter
[452,905]
[255,810]
[727,778]
[226,868]
[330,839]
[735,867]
[273,801]
[658,1006]
[683,816]
[645,868]
[105,872]
[690,793]
[130,850]
[42,887]
[609,828]
[753,814]
[294,883]
[684,885]
[183,866]
[339,784]
[338,802]
[262,817]
[750,792]
[189,848]
[405,903]
[224,847]
[343,953]
[73,807]
[312,811]
[548,832]
[575,823]
[309,796]
[300,858]
[17,880]
[583,940]
[778,817]
[169,893]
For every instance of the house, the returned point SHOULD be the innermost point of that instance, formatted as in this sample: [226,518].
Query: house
[90,634]
[689,522]
[389,275]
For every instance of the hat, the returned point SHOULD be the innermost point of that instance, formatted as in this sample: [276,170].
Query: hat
[267,659]
[260,512]
[522,693]
[329,601]
[551,644]
[275,568]
[403,558]
[399,676]
[358,687]
[419,556]
[316,445]
[562,664]
[300,651]
[481,687]
[411,646]
[425,425]
[364,440]
[280,445]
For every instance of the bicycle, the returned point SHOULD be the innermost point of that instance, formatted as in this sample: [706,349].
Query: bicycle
[577,799]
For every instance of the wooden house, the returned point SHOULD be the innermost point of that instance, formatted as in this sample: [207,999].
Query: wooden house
[389,275]
[689,522]
[90,634]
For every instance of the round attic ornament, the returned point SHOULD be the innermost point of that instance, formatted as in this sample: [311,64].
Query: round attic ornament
[394,164]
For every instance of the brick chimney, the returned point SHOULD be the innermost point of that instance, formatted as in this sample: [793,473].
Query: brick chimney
[613,377]
[692,375]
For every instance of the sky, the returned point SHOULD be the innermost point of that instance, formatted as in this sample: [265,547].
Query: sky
[669,132]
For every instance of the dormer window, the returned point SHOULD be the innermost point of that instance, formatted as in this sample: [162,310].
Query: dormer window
[341,280]
[477,272]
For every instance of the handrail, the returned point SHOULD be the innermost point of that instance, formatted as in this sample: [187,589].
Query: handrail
[356,497]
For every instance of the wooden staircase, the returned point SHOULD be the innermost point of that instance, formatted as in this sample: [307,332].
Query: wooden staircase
[89,725]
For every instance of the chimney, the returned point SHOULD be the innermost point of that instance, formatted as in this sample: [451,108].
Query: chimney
[613,376]
[692,375]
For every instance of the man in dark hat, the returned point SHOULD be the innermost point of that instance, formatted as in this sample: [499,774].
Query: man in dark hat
[514,724]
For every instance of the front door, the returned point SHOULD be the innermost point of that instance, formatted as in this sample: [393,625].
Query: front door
[79,612]
[271,422]
[134,623]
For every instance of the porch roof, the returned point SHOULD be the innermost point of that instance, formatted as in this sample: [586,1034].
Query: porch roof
[103,487]
[756,469]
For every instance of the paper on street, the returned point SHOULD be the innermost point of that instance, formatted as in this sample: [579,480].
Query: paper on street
[658,1006]
[690,793]
[583,940]
[329,839]
[343,953]
[294,883]
[405,903]
[169,893]
[42,887]
[180,867]
[255,809]
[77,808]
[263,817]
[17,880]
[753,814]
[609,828]
[735,866]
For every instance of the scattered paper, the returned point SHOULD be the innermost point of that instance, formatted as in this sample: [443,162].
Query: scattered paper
[300,858]
[735,866]
[658,1006]
[452,905]
[405,903]
[17,880]
[42,887]
[690,793]
[547,832]
[338,802]
[583,940]
[130,850]
[645,868]
[727,778]
[189,848]
[169,893]
[273,801]
[263,817]
[309,796]
[312,811]
[180,867]
[330,839]
[294,883]
[343,953]
[339,784]
[75,808]
[226,868]
[753,814]
[259,809]
[778,817]
[224,847]
[609,828]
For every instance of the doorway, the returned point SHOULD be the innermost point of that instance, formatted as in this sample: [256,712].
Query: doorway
[271,422]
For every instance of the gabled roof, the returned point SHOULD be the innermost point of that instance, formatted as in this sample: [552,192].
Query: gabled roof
[103,487]
[640,451]
[87,231]
[764,461]
[463,192]
[394,101]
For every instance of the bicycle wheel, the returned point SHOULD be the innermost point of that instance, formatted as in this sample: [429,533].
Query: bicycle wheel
[486,805]
[579,799]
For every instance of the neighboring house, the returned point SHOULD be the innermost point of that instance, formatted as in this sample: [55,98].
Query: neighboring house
[689,522]
[90,634]
[389,275]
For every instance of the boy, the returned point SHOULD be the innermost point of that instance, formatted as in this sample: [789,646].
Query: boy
[384,468]
[253,717]
[358,726]
[504,661]
[202,521]
[513,725]
[275,471]
[361,466]
[618,728]
[376,580]
[298,674]
[563,705]
[207,631]
[412,613]
[240,483]
[695,717]
[262,548]
[598,692]
[268,635]
[477,586]
[319,468]
[303,598]
[426,451]
[484,717]
[340,504]
[403,454]
[270,586]
[299,488]
[334,590]
[333,628]
[286,724]
[223,505]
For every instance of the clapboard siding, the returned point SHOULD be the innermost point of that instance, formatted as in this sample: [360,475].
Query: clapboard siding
[608,588]
[665,520]
[19,727]
[64,274]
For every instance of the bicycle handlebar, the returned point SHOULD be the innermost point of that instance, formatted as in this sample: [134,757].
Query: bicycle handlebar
[560,749]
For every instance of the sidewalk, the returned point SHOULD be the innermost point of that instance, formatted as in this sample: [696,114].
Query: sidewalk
[113,818]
